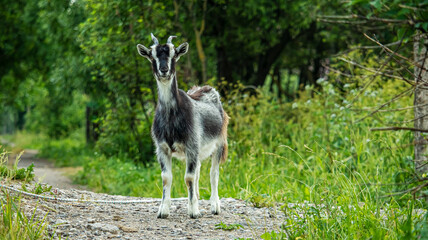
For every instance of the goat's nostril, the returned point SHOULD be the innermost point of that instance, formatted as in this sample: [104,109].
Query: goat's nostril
[164,70]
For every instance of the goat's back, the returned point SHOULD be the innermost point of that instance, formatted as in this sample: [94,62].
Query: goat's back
[204,94]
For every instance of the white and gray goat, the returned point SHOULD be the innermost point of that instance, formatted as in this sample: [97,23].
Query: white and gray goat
[189,126]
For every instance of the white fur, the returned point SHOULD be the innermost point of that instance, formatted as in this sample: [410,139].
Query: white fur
[163,152]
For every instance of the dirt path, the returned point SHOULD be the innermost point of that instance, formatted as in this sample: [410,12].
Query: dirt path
[46,172]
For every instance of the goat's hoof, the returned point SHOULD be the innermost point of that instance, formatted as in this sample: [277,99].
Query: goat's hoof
[162,215]
[215,208]
[215,212]
[163,212]
[194,215]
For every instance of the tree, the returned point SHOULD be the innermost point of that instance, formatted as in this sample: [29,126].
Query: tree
[421,101]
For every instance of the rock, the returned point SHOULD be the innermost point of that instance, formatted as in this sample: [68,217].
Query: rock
[60,222]
[103,227]
[128,229]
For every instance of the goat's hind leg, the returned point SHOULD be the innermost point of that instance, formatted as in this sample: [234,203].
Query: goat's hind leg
[190,179]
[164,159]
[198,171]
[214,174]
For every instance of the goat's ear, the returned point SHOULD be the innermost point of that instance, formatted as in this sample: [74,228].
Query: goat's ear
[181,50]
[145,52]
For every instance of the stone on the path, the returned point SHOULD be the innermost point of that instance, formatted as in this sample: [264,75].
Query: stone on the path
[103,227]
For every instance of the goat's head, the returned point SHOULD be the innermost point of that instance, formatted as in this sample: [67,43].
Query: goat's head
[163,57]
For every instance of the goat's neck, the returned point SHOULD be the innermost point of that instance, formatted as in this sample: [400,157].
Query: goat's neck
[168,96]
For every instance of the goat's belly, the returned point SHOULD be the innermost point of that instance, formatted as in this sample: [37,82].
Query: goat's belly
[208,149]
[205,151]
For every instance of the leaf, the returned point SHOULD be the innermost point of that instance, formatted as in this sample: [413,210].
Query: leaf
[425,26]
[377,4]
[400,33]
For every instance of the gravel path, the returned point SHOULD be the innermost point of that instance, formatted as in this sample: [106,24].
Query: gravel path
[138,221]
[134,221]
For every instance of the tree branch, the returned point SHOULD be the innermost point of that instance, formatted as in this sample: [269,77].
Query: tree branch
[395,53]
[375,71]
[398,128]
[373,19]
[387,103]
[413,190]
[374,76]
[392,110]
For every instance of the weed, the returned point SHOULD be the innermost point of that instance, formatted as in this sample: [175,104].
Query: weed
[275,236]
[38,188]
[26,174]
[42,188]
[228,227]
[261,201]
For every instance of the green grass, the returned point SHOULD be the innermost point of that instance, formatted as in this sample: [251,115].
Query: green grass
[14,222]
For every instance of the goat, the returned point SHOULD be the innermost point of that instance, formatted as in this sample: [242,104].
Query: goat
[189,126]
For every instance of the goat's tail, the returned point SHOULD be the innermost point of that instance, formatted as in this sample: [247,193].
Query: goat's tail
[224,137]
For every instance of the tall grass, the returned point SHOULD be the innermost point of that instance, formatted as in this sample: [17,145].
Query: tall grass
[14,222]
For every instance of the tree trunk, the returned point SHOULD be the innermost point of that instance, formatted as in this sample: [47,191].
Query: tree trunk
[421,98]
[266,60]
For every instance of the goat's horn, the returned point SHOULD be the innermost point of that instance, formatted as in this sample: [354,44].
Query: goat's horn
[154,39]
[170,39]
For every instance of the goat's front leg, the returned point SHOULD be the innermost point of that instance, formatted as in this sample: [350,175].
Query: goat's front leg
[190,179]
[164,159]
